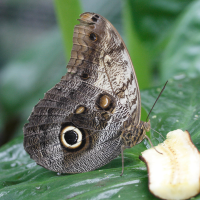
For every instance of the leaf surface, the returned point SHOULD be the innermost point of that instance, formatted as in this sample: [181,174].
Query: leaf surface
[21,178]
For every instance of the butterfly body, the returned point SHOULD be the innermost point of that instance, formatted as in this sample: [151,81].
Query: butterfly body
[84,120]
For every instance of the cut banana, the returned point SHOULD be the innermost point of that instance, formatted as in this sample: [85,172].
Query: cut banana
[174,174]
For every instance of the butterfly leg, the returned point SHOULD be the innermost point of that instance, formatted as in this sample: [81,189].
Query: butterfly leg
[152,144]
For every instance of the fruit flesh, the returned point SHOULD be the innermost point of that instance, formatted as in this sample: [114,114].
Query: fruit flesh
[175,173]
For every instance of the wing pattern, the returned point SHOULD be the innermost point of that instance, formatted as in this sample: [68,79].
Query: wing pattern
[99,71]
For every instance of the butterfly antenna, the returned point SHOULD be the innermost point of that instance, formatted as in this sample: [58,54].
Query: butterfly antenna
[156,100]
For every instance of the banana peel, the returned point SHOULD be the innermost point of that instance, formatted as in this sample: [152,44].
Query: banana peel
[174,173]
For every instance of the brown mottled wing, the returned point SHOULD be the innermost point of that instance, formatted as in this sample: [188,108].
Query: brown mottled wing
[99,66]
[107,59]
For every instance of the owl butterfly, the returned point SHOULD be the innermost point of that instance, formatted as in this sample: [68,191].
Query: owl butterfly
[93,113]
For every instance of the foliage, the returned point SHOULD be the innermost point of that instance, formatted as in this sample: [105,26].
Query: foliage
[21,178]
[163,39]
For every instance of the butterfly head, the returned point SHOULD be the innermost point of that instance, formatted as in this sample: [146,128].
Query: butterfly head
[141,130]
[147,126]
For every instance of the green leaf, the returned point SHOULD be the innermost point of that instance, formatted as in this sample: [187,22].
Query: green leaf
[21,178]
[139,55]
[182,52]
[163,26]
[67,13]
[153,19]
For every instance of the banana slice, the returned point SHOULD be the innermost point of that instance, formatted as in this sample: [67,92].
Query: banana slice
[174,174]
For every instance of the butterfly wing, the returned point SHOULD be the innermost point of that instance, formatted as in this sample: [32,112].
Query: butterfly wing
[114,70]
[76,127]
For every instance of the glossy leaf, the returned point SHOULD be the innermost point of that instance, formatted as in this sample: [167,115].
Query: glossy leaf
[178,107]
[154,19]
[181,55]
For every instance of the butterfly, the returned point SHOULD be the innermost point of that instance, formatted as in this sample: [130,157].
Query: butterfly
[93,113]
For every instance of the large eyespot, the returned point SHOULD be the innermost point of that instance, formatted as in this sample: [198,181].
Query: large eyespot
[93,37]
[105,102]
[71,137]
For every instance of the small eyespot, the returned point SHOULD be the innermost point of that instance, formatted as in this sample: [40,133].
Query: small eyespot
[94,19]
[71,137]
[85,76]
[97,16]
[105,101]
[93,37]
[80,110]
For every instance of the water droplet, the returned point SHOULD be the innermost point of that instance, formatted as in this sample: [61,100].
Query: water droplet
[179,77]
[37,188]
[119,196]
[154,116]
[180,93]
[13,165]
[177,120]
[158,89]
[196,115]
